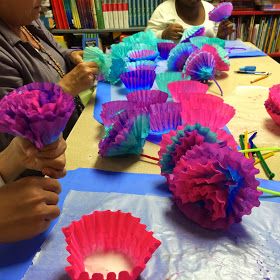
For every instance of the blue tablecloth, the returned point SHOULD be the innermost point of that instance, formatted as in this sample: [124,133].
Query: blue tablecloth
[15,258]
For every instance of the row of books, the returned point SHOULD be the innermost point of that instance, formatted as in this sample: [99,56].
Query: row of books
[264,32]
[102,14]
[271,5]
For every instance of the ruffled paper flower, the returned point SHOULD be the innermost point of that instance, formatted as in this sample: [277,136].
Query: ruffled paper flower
[200,41]
[215,186]
[191,32]
[104,235]
[136,55]
[220,56]
[180,90]
[178,56]
[221,12]
[176,143]
[207,109]
[138,79]
[38,112]
[272,104]
[164,48]
[141,65]
[126,135]
[201,66]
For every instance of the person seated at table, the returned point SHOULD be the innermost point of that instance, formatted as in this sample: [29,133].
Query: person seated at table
[29,53]
[172,17]
[28,205]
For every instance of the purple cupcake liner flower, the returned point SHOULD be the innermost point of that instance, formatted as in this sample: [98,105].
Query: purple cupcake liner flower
[138,79]
[178,56]
[38,112]
[215,186]
[221,12]
[126,135]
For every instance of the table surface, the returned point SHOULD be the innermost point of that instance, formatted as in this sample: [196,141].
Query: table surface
[83,141]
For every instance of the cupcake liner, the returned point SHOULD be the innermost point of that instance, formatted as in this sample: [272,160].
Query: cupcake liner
[126,135]
[165,117]
[138,79]
[221,12]
[191,32]
[136,55]
[147,37]
[106,234]
[215,186]
[178,56]
[163,79]
[141,65]
[164,48]
[145,98]
[220,55]
[199,41]
[200,66]
[179,90]
[112,108]
[206,109]
[38,112]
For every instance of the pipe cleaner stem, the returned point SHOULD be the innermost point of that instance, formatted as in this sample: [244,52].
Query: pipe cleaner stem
[265,156]
[264,165]
[246,143]
[272,149]
[241,141]
[222,93]
[149,157]
[268,191]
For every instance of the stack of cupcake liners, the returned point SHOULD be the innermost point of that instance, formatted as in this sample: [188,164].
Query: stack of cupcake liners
[108,245]
[138,79]
[181,89]
[137,55]
[164,48]
[141,65]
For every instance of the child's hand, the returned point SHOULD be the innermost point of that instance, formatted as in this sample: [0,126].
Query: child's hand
[225,28]
[174,31]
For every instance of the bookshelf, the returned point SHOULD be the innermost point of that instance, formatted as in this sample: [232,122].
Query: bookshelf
[260,27]
[97,31]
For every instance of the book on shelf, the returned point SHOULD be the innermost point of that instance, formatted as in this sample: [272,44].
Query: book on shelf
[262,31]
[101,14]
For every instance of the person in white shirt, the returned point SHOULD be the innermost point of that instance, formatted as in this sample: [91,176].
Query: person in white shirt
[28,205]
[172,17]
